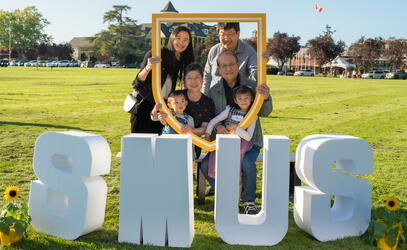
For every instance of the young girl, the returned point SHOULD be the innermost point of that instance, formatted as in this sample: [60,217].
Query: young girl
[243,97]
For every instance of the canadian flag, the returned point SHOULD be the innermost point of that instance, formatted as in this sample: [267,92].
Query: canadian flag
[319,9]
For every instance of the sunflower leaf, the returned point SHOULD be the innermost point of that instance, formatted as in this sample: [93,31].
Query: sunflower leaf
[379,230]
[392,236]
[388,218]
[19,228]
[4,228]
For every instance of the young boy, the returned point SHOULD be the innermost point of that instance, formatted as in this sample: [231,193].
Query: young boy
[177,102]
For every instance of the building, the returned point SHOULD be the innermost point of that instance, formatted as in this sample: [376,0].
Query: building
[199,31]
[303,60]
[76,44]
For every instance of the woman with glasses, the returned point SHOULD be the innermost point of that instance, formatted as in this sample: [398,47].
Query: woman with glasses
[174,58]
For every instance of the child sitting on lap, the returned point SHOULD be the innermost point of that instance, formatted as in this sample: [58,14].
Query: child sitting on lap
[243,97]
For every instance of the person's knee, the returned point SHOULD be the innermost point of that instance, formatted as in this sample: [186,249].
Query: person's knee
[248,166]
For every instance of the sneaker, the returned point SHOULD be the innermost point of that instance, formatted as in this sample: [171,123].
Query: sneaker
[210,191]
[250,208]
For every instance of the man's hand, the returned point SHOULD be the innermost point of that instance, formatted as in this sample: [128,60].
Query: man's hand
[220,129]
[264,90]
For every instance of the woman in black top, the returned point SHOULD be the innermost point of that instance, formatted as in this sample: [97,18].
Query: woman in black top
[174,59]
[200,107]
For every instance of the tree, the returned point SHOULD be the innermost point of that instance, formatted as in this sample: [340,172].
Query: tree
[252,41]
[366,51]
[27,29]
[396,51]
[210,40]
[324,49]
[282,47]
[328,31]
[123,39]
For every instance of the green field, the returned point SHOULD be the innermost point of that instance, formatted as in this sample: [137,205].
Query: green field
[90,100]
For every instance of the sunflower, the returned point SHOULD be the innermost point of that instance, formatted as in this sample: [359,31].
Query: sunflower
[11,193]
[392,204]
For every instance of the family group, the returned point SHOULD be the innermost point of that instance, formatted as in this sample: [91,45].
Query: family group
[228,84]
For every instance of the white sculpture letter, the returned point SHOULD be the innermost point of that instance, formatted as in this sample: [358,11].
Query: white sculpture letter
[269,226]
[69,198]
[156,192]
[350,213]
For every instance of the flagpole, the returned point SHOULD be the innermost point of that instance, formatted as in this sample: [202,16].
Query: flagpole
[315,30]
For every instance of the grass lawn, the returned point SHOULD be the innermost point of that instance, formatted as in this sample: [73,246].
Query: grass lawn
[90,100]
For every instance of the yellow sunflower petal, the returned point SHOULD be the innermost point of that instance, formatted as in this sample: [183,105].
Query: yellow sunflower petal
[392,204]
[11,193]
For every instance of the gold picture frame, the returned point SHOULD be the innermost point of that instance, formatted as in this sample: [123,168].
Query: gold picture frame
[158,19]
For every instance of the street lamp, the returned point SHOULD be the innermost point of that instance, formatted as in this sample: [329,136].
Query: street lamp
[9,40]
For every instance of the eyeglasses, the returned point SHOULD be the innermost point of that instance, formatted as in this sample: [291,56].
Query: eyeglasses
[227,35]
[190,79]
[224,66]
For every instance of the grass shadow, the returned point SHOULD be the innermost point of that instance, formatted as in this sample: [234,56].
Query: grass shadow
[45,125]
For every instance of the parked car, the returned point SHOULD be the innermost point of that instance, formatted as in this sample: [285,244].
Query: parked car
[14,63]
[286,72]
[102,65]
[87,64]
[63,63]
[30,63]
[272,71]
[4,63]
[397,74]
[132,65]
[375,74]
[306,72]
[21,63]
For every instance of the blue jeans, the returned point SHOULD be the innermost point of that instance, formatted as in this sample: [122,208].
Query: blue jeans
[249,173]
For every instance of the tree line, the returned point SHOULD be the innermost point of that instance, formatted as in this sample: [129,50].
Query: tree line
[127,43]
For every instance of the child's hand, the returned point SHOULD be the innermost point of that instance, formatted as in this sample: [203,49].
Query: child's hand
[207,136]
[231,127]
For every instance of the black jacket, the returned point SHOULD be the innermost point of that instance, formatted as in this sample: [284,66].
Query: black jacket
[169,66]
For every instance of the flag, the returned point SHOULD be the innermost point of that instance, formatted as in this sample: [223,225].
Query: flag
[319,9]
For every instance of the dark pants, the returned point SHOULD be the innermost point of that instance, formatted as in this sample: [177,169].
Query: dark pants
[141,121]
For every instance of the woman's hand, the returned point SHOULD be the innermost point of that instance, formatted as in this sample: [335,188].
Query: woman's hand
[157,108]
[162,116]
[142,75]
[185,129]
[151,62]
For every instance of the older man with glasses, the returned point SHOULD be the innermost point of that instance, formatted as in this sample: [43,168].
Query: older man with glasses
[222,95]
[229,40]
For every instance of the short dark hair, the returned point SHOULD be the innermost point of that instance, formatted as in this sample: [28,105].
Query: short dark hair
[193,67]
[243,90]
[228,26]
[176,93]
[226,52]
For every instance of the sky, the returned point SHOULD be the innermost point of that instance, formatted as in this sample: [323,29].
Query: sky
[350,19]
